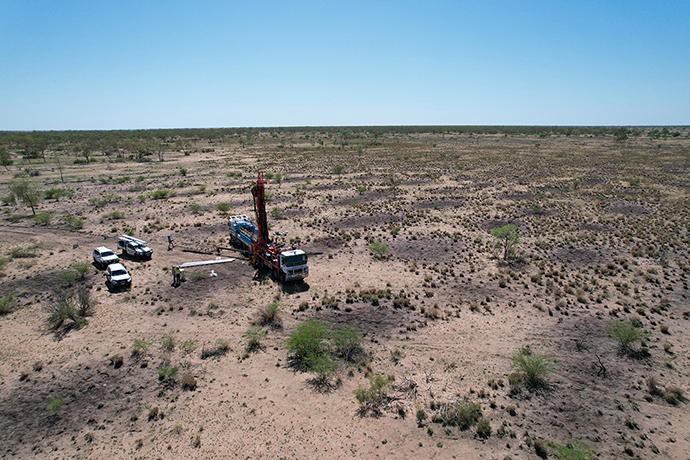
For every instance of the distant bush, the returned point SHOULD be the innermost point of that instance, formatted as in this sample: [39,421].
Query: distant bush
[269,315]
[626,334]
[254,336]
[372,398]
[7,304]
[379,250]
[74,222]
[43,218]
[307,342]
[223,207]
[534,369]
[160,194]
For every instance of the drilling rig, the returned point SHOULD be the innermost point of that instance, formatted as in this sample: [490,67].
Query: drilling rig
[285,263]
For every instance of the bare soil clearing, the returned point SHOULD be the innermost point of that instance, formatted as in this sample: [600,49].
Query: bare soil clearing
[604,236]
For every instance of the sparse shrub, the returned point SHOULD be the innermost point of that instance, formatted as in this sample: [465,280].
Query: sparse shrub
[153,413]
[73,222]
[72,305]
[254,336]
[626,334]
[269,315]
[55,404]
[673,395]
[116,361]
[7,304]
[372,398]
[188,346]
[483,428]
[43,218]
[511,410]
[140,347]
[307,342]
[160,194]
[220,348]
[81,268]
[462,414]
[167,373]
[223,207]
[168,341]
[347,343]
[421,416]
[68,276]
[188,382]
[573,450]
[506,240]
[533,368]
[541,448]
[277,213]
[379,249]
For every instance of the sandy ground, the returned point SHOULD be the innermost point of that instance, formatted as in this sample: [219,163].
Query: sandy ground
[594,249]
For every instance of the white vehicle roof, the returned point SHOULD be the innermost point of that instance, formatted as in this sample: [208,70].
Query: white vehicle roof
[103,248]
[113,267]
[294,252]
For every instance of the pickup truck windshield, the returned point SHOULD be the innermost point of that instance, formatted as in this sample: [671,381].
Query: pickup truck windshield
[119,273]
[107,253]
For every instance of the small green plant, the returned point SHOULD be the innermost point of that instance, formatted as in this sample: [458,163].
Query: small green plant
[140,347]
[43,218]
[254,336]
[347,343]
[372,398]
[188,382]
[534,369]
[483,428]
[55,404]
[183,171]
[626,334]
[115,215]
[276,213]
[270,315]
[379,249]
[167,373]
[223,207]
[420,415]
[160,194]
[81,268]
[168,341]
[573,450]
[188,346]
[7,304]
[73,222]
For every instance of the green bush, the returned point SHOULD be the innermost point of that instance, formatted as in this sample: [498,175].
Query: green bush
[43,218]
[270,315]
[347,343]
[307,342]
[55,404]
[223,207]
[372,398]
[74,222]
[462,414]
[81,268]
[168,341]
[379,249]
[140,347]
[483,428]
[573,450]
[160,194]
[7,304]
[626,334]
[167,373]
[534,369]
[254,336]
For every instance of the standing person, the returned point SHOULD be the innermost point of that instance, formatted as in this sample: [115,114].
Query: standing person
[170,243]
[178,275]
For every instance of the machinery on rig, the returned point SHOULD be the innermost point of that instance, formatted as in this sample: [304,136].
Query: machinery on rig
[285,263]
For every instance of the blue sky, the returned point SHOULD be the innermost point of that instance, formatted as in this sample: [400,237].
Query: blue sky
[172,64]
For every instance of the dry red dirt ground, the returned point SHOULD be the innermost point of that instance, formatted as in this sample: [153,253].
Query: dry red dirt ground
[604,237]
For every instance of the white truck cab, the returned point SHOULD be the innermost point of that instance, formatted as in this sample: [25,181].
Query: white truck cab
[293,265]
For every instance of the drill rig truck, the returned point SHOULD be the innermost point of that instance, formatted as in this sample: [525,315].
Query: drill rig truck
[284,263]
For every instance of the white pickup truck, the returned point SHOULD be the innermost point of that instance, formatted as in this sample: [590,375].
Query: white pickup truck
[116,276]
[103,257]
[134,247]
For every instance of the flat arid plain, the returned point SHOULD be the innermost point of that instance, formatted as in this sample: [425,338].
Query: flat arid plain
[428,340]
